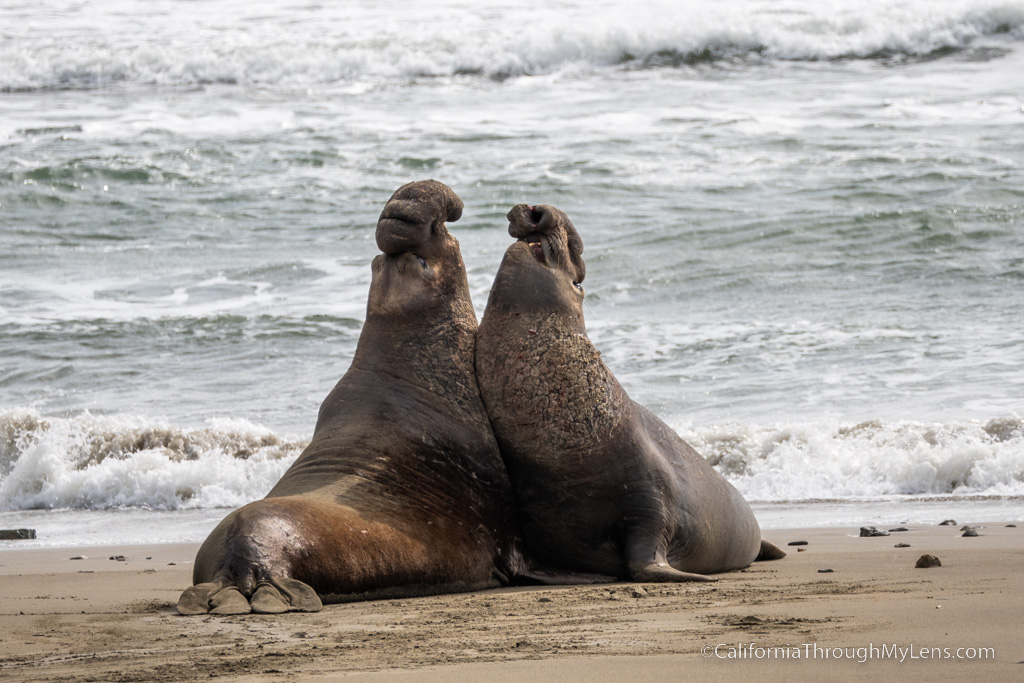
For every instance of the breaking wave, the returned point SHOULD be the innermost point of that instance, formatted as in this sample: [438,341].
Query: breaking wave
[122,461]
[370,47]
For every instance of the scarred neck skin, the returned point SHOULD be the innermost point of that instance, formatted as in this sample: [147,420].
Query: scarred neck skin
[542,381]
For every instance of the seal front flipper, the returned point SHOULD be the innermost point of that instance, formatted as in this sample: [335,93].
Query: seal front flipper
[660,572]
[553,577]
[769,551]
[645,560]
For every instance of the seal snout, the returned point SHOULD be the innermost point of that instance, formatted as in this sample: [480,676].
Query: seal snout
[414,218]
[551,237]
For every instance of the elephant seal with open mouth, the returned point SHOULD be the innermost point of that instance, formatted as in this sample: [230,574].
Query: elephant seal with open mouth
[602,485]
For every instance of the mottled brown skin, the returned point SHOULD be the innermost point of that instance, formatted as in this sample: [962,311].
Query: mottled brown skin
[601,484]
[401,490]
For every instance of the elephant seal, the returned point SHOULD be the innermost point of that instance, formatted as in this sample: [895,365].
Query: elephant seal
[602,485]
[401,490]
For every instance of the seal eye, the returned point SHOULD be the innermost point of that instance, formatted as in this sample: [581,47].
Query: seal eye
[579,286]
[423,261]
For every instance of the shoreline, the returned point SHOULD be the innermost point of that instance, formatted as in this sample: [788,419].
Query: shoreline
[99,618]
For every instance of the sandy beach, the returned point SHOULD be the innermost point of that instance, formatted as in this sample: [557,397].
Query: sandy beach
[99,618]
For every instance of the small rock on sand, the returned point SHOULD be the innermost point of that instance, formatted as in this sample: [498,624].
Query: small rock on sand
[926,561]
[902,545]
[824,571]
[866,531]
[899,528]
[970,532]
[79,557]
[948,522]
[797,543]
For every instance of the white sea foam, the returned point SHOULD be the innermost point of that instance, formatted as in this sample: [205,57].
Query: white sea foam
[831,461]
[262,44]
[123,461]
[100,462]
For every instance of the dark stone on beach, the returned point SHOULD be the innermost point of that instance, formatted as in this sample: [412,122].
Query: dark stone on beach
[1011,526]
[797,543]
[948,522]
[824,571]
[965,527]
[17,534]
[79,557]
[902,545]
[970,532]
[119,558]
[899,528]
[866,531]
[926,561]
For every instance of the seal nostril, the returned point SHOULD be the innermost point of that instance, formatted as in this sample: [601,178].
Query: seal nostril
[536,215]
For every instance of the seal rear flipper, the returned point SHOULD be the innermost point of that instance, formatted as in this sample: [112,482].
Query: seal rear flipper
[769,551]
[229,600]
[196,599]
[299,596]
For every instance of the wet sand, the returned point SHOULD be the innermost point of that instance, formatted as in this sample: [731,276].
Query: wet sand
[873,614]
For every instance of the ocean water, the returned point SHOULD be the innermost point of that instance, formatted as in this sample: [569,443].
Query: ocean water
[804,228]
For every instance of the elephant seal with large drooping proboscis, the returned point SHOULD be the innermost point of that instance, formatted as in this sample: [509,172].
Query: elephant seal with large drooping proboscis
[401,490]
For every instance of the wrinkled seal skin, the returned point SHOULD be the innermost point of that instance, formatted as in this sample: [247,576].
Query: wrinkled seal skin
[602,485]
[401,490]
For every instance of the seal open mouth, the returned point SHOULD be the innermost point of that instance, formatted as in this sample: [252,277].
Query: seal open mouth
[537,247]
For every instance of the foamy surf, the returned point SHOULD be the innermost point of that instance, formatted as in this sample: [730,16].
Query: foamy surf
[122,461]
[874,459]
[332,46]
[97,462]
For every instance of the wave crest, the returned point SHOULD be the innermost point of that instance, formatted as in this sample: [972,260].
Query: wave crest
[326,49]
[100,462]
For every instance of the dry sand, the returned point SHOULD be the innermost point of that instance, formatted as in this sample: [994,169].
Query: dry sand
[99,619]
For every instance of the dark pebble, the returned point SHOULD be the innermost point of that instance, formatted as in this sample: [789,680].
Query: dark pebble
[866,531]
[926,561]
[948,522]
[1011,526]
[797,543]
[970,532]
[899,528]
[902,545]
[824,571]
